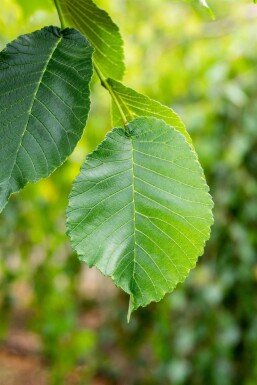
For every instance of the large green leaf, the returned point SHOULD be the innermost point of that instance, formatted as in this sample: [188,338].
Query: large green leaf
[135,104]
[140,209]
[101,31]
[44,103]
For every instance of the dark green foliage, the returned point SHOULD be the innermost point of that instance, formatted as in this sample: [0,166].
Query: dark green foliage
[44,96]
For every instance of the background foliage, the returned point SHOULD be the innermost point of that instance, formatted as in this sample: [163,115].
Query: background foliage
[206,331]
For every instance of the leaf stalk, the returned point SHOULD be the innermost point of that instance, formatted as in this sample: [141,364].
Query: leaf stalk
[59,11]
[110,90]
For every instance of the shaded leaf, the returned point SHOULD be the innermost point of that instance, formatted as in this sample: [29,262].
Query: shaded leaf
[135,104]
[140,209]
[44,104]
[101,31]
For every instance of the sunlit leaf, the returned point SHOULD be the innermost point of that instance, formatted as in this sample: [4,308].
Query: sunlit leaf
[140,209]
[44,103]
[101,31]
[135,104]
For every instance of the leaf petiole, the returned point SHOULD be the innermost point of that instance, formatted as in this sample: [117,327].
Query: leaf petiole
[106,85]
[60,14]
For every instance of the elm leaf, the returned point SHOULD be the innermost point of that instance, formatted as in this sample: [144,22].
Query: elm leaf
[101,31]
[44,104]
[140,210]
[135,104]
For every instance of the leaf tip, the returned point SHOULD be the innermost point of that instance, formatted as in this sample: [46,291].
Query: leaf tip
[130,308]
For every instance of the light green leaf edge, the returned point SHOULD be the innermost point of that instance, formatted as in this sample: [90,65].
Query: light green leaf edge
[142,192]
[44,104]
[135,104]
[100,30]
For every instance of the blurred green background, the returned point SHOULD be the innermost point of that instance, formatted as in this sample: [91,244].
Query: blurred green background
[62,323]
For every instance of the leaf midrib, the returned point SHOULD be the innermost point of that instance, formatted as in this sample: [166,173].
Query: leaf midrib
[134,213]
[32,105]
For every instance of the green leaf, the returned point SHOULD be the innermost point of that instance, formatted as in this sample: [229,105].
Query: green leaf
[140,209]
[135,104]
[101,31]
[44,104]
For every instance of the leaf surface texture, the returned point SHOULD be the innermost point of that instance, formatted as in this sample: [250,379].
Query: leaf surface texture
[135,104]
[140,209]
[101,31]
[44,104]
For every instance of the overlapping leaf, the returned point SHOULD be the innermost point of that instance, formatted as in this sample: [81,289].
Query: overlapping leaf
[44,103]
[140,209]
[101,31]
[135,104]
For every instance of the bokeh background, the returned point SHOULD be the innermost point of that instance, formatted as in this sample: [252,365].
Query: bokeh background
[62,323]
